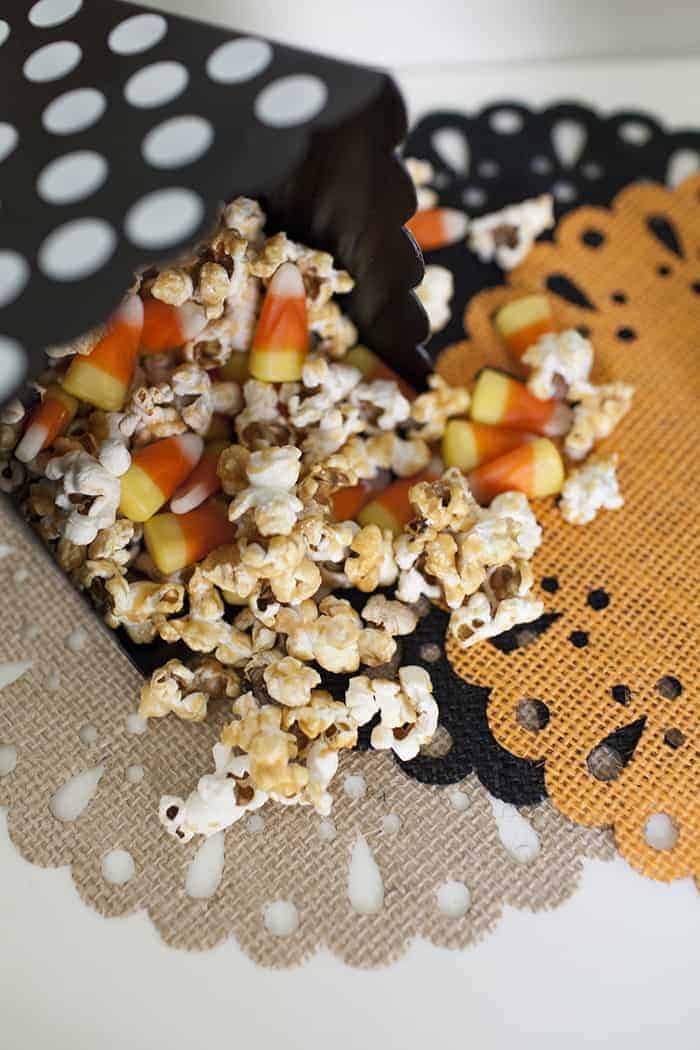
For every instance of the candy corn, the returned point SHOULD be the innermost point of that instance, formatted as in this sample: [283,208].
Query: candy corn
[521,322]
[236,368]
[535,469]
[102,377]
[438,227]
[282,335]
[46,422]
[347,502]
[166,327]
[202,483]
[502,400]
[372,367]
[155,473]
[467,445]
[392,510]
[177,540]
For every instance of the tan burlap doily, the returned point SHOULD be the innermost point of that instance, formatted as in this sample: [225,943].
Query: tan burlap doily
[618,673]
[68,714]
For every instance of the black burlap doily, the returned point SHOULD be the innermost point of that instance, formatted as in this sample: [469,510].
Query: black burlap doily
[507,153]
[502,155]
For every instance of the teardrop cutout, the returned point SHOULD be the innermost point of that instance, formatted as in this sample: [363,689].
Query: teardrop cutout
[681,165]
[73,797]
[568,139]
[452,148]
[365,883]
[207,868]
[607,759]
[564,287]
[517,835]
[665,232]
[524,634]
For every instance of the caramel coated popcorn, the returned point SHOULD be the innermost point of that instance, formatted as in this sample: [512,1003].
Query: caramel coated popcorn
[260,612]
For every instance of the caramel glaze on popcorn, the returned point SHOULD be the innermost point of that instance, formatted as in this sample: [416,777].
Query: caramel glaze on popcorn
[291,447]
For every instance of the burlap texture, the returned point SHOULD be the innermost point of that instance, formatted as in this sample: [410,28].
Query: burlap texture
[643,315]
[287,860]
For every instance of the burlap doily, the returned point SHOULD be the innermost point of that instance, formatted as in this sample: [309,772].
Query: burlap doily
[70,712]
[618,671]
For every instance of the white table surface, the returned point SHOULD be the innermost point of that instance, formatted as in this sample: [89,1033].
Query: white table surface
[617,965]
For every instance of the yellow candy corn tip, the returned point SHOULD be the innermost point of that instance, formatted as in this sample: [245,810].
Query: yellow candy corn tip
[279,366]
[95,386]
[490,396]
[166,543]
[374,514]
[521,313]
[548,469]
[458,445]
[140,496]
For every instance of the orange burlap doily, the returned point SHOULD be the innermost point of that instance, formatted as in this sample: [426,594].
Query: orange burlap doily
[629,276]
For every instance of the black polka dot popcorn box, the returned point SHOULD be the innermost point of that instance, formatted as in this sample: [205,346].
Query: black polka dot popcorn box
[122,131]
[125,134]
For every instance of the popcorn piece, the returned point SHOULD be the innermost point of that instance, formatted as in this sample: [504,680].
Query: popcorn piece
[282,336]
[446,503]
[221,798]
[557,362]
[382,400]
[501,400]
[152,412]
[246,217]
[477,620]
[506,237]
[88,494]
[155,473]
[272,474]
[371,563]
[372,367]
[12,474]
[173,286]
[467,445]
[421,172]
[142,606]
[599,410]
[523,524]
[432,410]
[260,422]
[438,227]
[82,346]
[117,542]
[435,292]
[258,731]
[185,692]
[521,322]
[590,488]
[535,469]
[409,714]
[102,377]
[289,682]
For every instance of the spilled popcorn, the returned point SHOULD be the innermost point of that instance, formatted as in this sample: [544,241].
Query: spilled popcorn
[221,460]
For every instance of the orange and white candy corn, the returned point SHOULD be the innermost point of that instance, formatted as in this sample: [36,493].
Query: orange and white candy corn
[281,337]
[535,469]
[46,422]
[503,401]
[372,367]
[521,322]
[155,473]
[467,445]
[392,509]
[166,327]
[346,503]
[175,541]
[202,483]
[102,377]
[438,227]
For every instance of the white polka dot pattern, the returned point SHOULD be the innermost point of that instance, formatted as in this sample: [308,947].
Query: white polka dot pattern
[163,218]
[74,111]
[52,61]
[47,13]
[156,84]
[138,33]
[72,177]
[125,130]
[77,249]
